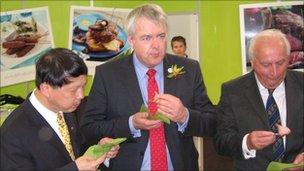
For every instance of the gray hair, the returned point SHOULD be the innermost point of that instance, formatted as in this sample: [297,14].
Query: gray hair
[152,12]
[270,33]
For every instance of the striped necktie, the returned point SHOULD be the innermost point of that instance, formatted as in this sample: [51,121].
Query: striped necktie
[63,129]
[274,118]
[157,135]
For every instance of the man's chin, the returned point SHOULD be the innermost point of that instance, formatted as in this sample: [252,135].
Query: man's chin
[273,85]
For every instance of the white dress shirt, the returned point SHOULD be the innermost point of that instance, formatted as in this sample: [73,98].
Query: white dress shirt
[280,98]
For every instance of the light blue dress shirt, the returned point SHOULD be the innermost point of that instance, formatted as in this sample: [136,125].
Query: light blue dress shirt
[142,77]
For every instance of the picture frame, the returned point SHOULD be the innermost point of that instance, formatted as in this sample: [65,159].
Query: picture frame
[85,22]
[25,36]
[285,16]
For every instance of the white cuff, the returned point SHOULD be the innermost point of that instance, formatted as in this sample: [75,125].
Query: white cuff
[182,127]
[106,162]
[246,152]
[135,132]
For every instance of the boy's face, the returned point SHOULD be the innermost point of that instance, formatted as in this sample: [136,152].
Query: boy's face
[179,48]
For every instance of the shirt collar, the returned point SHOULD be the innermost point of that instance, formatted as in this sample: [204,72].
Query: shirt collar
[45,112]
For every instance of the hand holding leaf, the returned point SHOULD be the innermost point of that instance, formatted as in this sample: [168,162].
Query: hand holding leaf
[98,150]
[157,116]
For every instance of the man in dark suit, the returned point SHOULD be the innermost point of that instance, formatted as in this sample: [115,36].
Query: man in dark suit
[120,87]
[253,108]
[31,137]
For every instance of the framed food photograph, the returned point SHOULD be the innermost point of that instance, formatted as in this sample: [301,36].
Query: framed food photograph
[285,16]
[98,34]
[25,36]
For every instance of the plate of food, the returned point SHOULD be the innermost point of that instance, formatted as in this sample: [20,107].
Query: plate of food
[23,42]
[288,19]
[101,40]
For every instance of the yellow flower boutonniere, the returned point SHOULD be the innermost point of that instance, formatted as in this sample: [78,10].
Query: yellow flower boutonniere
[174,71]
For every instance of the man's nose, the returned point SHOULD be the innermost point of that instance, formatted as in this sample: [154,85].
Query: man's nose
[155,43]
[274,69]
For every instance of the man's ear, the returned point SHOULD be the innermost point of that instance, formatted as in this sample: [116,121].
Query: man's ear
[251,62]
[45,89]
[131,40]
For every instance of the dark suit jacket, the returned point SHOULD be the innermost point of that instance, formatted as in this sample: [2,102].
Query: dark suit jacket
[29,143]
[241,111]
[115,96]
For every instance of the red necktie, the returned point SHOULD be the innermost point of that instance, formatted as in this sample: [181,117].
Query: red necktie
[157,136]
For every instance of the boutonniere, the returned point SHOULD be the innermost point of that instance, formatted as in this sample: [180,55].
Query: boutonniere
[174,71]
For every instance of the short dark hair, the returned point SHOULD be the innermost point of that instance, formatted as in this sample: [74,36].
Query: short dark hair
[57,66]
[178,39]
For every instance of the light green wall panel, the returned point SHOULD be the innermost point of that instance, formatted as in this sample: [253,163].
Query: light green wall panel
[220,47]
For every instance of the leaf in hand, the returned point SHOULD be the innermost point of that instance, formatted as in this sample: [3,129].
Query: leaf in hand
[282,130]
[157,116]
[98,150]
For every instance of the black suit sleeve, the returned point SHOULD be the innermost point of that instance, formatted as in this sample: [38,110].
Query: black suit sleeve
[96,122]
[202,118]
[228,140]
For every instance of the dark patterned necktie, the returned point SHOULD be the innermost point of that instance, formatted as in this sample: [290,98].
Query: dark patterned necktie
[274,118]
[157,136]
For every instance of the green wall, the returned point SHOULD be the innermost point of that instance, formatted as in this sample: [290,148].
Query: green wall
[220,45]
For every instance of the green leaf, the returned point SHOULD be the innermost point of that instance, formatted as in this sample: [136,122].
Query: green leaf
[98,150]
[162,118]
[157,116]
[276,166]
[143,108]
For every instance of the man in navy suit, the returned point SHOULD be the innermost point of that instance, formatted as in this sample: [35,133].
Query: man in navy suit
[248,118]
[120,88]
[31,138]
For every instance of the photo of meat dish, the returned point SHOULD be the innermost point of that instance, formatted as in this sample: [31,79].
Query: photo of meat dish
[23,39]
[288,19]
[98,37]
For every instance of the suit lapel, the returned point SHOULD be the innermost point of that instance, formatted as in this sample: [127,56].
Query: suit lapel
[254,97]
[131,83]
[170,84]
[75,141]
[46,132]
[292,101]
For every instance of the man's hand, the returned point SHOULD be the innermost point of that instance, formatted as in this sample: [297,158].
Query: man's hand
[114,150]
[88,163]
[299,158]
[141,121]
[172,107]
[260,139]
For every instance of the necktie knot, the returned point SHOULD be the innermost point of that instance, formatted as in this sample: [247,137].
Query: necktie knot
[151,73]
[270,91]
